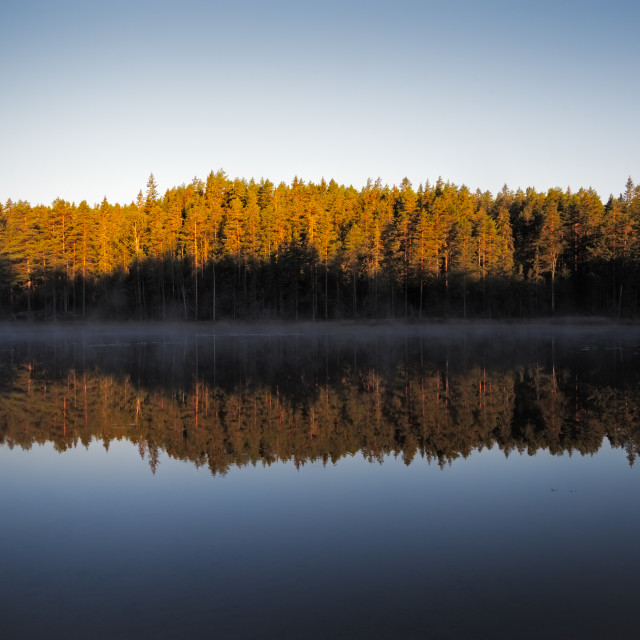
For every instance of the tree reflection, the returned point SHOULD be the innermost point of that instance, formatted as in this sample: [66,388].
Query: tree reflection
[238,400]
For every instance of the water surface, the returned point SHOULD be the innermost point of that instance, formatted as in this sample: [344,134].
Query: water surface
[384,482]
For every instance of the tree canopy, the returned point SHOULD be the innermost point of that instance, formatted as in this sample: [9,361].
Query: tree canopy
[238,249]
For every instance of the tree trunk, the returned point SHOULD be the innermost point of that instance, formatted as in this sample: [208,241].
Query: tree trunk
[326,291]
[164,307]
[213,264]
[355,296]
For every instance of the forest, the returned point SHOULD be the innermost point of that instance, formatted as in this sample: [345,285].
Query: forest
[237,250]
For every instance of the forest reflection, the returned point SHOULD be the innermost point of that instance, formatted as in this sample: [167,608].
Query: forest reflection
[225,400]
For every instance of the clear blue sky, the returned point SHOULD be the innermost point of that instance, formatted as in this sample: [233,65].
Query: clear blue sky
[96,95]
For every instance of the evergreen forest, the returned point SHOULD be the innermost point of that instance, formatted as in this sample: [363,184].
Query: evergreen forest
[234,249]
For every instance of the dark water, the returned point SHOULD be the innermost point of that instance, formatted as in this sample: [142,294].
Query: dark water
[311,483]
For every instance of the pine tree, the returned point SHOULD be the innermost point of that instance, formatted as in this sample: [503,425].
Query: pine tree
[152,193]
[551,242]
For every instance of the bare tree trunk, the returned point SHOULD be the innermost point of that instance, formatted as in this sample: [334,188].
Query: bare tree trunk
[213,263]
[184,302]
[164,307]
[326,290]
[620,303]
[355,296]
[196,282]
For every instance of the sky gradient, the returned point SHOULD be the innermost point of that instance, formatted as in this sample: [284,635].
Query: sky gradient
[97,95]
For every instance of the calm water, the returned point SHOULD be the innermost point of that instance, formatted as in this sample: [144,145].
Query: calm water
[299,483]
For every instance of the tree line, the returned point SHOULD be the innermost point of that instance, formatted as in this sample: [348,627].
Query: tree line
[237,249]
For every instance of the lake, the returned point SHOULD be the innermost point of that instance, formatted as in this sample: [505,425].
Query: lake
[300,481]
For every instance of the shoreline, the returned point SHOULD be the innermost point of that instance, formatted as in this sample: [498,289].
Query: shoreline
[344,328]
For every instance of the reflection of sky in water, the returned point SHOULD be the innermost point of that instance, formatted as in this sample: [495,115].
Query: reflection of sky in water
[97,543]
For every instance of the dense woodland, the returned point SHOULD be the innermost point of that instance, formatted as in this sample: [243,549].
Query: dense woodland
[232,249]
[256,403]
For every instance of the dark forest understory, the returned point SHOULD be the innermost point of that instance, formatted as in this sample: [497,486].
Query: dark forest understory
[167,290]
